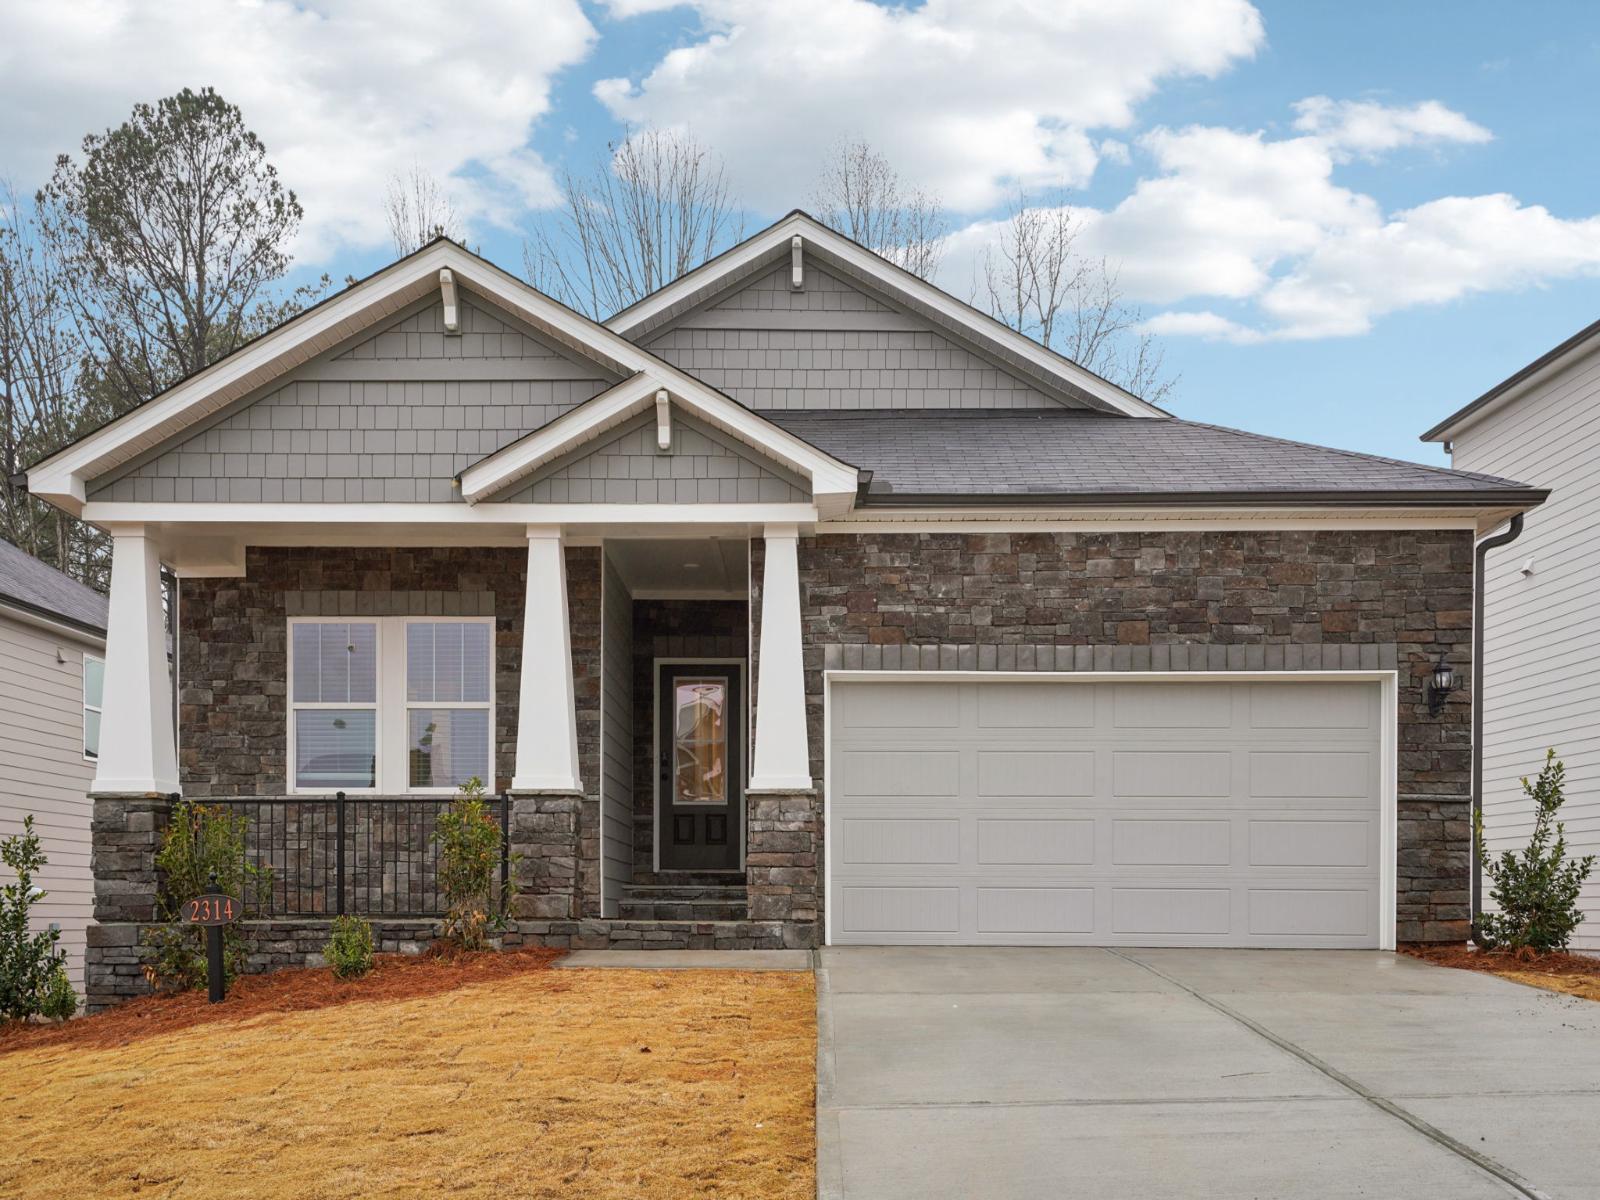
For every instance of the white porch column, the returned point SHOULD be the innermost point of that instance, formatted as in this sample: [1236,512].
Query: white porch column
[138,750]
[782,755]
[547,724]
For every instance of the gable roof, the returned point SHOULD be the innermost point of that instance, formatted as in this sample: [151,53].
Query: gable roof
[859,265]
[61,478]
[833,481]
[1071,457]
[35,587]
[1511,386]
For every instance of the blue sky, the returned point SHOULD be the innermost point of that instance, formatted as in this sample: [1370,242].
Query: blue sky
[1346,219]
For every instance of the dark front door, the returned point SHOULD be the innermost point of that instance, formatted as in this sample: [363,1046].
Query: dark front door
[699,766]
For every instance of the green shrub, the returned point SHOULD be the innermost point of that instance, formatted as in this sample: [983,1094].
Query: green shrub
[468,838]
[1536,891]
[60,1001]
[30,962]
[201,842]
[349,950]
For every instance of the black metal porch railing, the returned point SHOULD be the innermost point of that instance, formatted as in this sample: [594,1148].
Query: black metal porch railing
[369,856]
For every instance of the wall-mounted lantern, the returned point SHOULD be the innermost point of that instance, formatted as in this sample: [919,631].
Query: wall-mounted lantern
[1440,684]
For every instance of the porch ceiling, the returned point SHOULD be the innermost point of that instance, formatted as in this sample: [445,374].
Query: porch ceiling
[683,568]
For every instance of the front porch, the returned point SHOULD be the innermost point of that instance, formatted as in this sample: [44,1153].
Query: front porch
[607,686]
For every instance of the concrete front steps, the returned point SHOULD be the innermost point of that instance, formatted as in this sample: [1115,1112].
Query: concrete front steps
[598,933]
[684,902]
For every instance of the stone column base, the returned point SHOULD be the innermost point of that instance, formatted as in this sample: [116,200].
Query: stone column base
[544,833]
[781,854]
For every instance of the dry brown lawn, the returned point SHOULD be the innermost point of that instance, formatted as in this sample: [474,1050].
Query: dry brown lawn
[635,1084]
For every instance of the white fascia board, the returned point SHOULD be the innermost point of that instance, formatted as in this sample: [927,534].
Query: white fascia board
[211,516]
[893,279]
[833,483]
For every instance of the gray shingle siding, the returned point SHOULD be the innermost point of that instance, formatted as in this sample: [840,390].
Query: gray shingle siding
[422,336]
[822,293]
[704,467]
[831,346]
[320,440]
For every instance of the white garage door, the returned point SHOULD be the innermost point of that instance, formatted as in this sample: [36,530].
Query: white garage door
[1201,813]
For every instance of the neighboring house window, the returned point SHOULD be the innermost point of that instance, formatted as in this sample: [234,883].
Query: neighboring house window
[395,704]
[94,687]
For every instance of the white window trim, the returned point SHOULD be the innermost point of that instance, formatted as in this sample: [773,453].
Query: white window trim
[92,708]
[392,706]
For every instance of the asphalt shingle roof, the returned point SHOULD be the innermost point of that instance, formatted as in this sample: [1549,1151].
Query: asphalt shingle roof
[1071,452]
[26,581]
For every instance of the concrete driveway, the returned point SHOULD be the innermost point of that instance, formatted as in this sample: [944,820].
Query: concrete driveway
[1010,1073]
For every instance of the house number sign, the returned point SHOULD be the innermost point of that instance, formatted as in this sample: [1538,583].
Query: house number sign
[211,910]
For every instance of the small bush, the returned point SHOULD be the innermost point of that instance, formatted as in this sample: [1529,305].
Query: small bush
[201,841]
[1535,892]
[30,962]
[349,950]
[468,838]
[60,1001]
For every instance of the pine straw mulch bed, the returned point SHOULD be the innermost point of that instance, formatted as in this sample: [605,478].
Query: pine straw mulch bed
[483,1076]
[393,977]
[1571,974]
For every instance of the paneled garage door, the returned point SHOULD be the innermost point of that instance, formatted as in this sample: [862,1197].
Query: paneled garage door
[1202,813]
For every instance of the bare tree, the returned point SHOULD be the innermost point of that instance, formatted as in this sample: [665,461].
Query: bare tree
[418,210]
[40,355]
[862,196]
[1035,280]
[656,208]
[171,231]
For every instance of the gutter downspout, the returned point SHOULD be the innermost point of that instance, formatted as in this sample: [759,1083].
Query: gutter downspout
[1481,552]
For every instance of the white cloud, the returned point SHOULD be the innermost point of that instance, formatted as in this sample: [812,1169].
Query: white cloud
[968,97]
[342,93]
[1366,127]
[1262,224]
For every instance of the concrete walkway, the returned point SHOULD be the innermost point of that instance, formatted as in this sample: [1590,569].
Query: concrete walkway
[949,1074]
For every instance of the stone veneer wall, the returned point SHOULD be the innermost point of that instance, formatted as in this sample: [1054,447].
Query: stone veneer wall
[1145,601]
[671,629]
[233,671]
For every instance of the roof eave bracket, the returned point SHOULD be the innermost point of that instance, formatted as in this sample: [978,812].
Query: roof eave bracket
[452,310]
[663,422]
[797,265]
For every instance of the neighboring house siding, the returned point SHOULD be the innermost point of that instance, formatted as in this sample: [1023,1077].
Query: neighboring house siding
[1542,631]
[616,739]
[831,346]
[703,467]
[393,418]
[43,771]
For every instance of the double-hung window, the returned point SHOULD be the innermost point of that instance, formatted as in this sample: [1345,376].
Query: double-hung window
[94,686]
[390,704]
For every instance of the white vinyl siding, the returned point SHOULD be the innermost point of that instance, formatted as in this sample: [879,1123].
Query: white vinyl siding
[390,704]
[43,771]
[1542,630]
